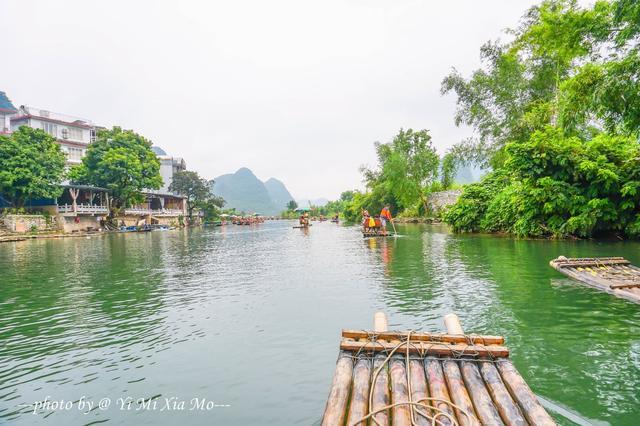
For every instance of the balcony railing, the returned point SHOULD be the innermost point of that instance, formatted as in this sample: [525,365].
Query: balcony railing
[83,209]
[153,212]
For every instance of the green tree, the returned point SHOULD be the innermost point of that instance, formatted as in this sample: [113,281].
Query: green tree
[196,190]
[32,165]
[407,168]
[292,205]
[518,89]
[212,206]
[123,162]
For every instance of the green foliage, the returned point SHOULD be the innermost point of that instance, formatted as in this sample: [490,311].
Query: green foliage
[212,208]
[408,167]
[196,190]
[292,205]
[31,166]
[121,161]
[557,186]
[559,122]
[518,90]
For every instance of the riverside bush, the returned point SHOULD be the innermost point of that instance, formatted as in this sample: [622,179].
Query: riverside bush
[557,186]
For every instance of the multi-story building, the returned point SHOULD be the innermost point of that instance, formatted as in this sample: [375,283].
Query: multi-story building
[73,134]
[6,111]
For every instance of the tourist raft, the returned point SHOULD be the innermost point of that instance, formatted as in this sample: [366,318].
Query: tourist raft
[614,275]
[410,378]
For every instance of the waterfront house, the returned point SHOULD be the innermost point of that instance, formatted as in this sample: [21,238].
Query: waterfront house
[6,111]
[73,134]
[161,206]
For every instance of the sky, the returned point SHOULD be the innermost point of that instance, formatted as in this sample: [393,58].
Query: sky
[296,90]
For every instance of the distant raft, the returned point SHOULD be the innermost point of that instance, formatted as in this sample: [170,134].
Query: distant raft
[374,232]
[413,378]
[614,275]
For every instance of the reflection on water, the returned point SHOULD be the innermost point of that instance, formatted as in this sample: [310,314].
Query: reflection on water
[250,317]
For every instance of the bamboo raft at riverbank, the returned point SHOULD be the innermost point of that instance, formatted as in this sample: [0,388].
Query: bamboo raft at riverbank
[614,275]
[413,378]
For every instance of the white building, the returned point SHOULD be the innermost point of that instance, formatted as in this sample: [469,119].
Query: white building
[6,111]
[73,134]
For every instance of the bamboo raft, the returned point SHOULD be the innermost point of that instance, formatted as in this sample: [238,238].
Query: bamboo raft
[614,275]
[412,378]
[374,233]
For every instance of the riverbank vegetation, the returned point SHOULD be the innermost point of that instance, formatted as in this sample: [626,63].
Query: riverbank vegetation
[408,169]
[556,117]
[31,166]
[122,162]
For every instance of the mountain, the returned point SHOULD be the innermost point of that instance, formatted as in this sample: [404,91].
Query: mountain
[279,194]
[243,191]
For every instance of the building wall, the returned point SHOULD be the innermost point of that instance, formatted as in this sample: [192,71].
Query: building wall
[79,223]
[27,223]
[5,123]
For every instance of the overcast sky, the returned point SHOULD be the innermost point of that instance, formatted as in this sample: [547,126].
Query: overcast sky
[296,90]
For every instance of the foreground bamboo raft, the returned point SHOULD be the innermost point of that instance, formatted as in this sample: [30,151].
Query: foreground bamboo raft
[410,378]
[614,275]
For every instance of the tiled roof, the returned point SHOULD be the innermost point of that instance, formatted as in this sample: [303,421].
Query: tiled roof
[5,103]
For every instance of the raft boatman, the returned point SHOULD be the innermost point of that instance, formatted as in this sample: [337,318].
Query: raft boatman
[385,215]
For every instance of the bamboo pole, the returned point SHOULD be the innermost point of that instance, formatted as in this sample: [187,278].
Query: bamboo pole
[379,322]
[479,395]
[381,391]
[381,396]
[335,411]
[482,402]
[452,324]
[426,337]
[453,375]
[358,407]
[533,411]
[438,388]
[507,408]
[419,390]
[399,391]
[458,392]
[427,348]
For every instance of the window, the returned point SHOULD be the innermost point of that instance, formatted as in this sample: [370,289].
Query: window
[65,133]
[50,128]
[75,134]
[74,154]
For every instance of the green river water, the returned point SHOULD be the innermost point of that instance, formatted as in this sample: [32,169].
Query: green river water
[249,318]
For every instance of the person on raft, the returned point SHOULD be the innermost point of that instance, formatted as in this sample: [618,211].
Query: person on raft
[385,215]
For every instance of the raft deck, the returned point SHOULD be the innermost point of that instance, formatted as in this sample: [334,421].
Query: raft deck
[614,275]
[375,233]
[410,378]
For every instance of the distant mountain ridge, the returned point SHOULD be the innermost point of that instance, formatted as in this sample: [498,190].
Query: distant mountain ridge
[243,191]
[280,195]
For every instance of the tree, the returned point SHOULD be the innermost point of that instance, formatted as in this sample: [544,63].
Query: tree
[407,168]
[121,161]
[564,149]
[292,205]
[211,207]
[31,166]
[195,189]
[518,90]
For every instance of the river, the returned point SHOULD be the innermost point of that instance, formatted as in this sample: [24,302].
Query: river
[247,320]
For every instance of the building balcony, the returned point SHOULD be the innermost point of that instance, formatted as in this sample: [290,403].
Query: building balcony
[153,212]
[83,209]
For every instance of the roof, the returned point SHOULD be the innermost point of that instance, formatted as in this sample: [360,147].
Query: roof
[5,103]
[158,150]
